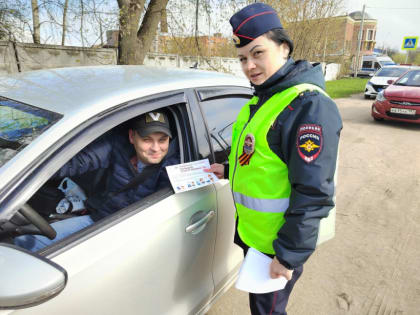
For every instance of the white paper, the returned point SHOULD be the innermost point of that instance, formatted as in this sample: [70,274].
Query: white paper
[254,275]
[189,176]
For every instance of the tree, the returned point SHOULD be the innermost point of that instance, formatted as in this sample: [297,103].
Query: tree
[36,35]
[134,41]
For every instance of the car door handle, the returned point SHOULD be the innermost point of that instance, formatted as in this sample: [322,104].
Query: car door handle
[191,228]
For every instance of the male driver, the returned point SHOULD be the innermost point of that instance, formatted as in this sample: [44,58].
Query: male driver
[135,168]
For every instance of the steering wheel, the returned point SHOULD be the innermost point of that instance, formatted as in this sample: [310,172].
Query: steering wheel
[33,217]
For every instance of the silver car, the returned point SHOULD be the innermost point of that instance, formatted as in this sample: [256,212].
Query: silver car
[165,254]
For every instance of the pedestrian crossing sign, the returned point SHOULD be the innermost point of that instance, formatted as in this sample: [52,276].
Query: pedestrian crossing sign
[410,43]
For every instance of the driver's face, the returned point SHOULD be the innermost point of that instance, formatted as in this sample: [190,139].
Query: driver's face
[151,149]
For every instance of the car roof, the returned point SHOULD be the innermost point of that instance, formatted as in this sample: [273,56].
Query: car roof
[68,90]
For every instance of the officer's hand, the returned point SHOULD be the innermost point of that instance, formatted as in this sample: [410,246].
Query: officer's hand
[277,270]
[217,169]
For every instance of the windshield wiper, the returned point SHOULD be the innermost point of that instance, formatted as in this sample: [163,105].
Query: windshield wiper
[9,144]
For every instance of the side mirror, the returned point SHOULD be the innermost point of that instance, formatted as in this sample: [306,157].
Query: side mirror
[390,81]
[27,279]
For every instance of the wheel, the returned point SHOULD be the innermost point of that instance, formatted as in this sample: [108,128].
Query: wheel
[377,119]
[367,96]
[43,226]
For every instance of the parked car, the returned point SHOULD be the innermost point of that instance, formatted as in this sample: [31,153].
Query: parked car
[372,63]
[400,100]
[166,254]
[380,78]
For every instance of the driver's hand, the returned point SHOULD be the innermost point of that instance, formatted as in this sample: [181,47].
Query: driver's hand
[217,169]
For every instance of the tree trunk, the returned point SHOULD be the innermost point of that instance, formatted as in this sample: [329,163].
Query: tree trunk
[35,18]
[63,34]
[134,42]
[149,26]
[128,45]
[82,14]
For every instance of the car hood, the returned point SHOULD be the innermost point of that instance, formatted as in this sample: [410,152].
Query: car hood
[399,91]
[381,80]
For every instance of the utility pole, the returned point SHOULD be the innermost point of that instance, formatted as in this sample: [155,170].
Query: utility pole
[359,42]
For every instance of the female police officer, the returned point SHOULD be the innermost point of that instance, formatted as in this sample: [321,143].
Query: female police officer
[284,149]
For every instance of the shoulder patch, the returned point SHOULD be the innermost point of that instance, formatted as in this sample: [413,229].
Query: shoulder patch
[309,142]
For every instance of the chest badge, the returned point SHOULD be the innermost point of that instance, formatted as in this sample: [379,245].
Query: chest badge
[248,149]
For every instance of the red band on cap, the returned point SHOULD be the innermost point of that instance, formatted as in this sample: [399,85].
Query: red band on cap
[247,37]
[251,17]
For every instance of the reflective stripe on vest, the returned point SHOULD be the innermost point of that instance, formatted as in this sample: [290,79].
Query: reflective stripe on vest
[261,189]
[262,205]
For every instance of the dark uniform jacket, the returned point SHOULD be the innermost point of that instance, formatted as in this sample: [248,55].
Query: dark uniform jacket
[312,184]
[113,152]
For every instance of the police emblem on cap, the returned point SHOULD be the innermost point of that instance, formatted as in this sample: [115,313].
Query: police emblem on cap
[309,142]
[236,40]
[248,149]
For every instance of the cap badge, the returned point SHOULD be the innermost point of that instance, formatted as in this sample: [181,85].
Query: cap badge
[151,117]
[236,40]
[248,149]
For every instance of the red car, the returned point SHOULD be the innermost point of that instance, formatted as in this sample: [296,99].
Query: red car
[400,100]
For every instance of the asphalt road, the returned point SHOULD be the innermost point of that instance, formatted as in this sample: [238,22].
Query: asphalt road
[372,266]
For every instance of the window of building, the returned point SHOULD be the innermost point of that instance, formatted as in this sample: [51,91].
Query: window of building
[370,34]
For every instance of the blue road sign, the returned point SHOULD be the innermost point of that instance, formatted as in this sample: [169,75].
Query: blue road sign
[410,42]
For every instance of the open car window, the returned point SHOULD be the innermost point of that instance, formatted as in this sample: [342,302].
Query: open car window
[20,124]
[54,206]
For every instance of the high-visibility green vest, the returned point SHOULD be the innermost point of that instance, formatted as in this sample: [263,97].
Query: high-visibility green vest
[261,189]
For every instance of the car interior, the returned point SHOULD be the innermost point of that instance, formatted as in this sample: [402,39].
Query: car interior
[40,210]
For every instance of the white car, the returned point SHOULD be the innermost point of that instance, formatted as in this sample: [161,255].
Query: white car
[169,253]
[380,78]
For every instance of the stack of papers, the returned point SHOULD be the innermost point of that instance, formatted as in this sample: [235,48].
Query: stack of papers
[254,275]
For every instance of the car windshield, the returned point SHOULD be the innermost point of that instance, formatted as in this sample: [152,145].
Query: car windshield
[391,72]
[20,124]
[386,63]
[411,78]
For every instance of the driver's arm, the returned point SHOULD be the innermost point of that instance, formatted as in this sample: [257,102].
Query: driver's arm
[96,155]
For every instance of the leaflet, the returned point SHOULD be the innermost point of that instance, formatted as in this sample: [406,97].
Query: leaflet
[254,275]
[189,176]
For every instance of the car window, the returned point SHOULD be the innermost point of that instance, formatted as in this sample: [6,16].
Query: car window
[391,72]
[220,114]
[367,64]
[411,78]
[101,180]
[20,124]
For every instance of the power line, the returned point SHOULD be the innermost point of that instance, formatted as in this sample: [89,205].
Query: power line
[393,8]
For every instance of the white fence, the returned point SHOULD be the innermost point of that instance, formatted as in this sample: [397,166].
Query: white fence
[18,57]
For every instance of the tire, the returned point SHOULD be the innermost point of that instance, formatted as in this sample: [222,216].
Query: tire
[377,119]
[367,97]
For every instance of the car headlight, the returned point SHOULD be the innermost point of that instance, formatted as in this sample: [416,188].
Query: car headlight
[380,96]
[369,83]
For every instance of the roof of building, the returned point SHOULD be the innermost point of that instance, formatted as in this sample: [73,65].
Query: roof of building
[357,15]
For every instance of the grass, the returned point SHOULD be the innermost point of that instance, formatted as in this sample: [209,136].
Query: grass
[346,87]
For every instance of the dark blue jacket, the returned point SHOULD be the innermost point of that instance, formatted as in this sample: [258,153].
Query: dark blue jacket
[113,152]
[312,184]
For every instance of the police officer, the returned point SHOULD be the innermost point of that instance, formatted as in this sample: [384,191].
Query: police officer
[284,150]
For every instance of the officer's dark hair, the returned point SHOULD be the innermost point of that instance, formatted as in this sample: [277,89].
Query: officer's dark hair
[279,36]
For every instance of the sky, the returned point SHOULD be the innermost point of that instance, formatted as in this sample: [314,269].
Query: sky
[396,19]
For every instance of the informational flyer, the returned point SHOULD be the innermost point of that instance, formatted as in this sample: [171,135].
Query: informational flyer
[189,176]
[254,275]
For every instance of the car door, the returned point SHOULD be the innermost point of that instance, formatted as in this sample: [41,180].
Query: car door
[153,257]
[220,106]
